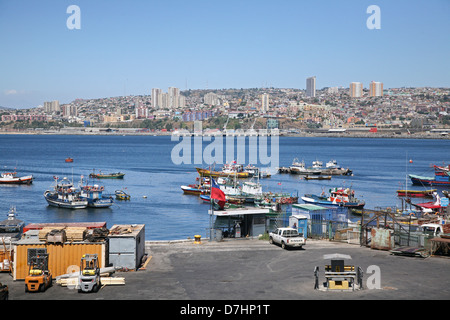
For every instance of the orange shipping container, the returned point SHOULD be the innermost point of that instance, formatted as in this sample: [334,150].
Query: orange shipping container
[63,258]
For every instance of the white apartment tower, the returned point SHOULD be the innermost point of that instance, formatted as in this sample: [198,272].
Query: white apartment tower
[174,94]
[51,106]
[356,89]
[156,98]
[311,87]
[376,89]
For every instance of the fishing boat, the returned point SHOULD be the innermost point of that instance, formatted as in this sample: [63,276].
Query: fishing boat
[416,193]
[319,177]
[434,206]
[223,173]
[338,197]
[331,168]
[256,172]
[441,177]
[298,167]
[122,195]
[12,178]
[69,159]
[65,195]
[195,189]
[100,175]
[95,197]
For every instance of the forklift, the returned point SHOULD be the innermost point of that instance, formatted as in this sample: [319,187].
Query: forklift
[39,277]
[89,279]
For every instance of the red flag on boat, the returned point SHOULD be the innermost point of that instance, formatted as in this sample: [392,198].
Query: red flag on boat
[217,193]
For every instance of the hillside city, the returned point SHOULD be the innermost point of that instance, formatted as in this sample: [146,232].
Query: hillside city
[342,109]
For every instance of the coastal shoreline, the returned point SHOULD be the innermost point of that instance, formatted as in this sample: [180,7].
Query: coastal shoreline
[371,135]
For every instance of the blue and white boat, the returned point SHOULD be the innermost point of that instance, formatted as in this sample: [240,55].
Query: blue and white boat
[339,197]
[65,195]
[94,196]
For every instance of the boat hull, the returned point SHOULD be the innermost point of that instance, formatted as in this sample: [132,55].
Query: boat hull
[193,190]
[54,202]
[416,193]
[322,201]
[428,181]
[107,176]
[17,180]
[215,174]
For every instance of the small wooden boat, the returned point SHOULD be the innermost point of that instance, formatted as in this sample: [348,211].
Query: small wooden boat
[116,175]
[416,193]
[317,177]
[69,160]
[121,195]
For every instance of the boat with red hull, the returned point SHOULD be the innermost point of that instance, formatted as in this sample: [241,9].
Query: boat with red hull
[416,193]
[12,178]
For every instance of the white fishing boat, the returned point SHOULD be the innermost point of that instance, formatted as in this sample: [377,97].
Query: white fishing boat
[12,178]
[298,167]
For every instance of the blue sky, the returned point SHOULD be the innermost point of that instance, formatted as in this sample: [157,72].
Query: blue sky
[129,47]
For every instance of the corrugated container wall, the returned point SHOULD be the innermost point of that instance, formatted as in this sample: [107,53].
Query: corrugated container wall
[62,257]
[127,250]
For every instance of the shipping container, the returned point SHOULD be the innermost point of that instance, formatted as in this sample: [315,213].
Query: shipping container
[63,258]
[126,245]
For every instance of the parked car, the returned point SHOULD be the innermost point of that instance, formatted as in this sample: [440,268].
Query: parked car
[286,237]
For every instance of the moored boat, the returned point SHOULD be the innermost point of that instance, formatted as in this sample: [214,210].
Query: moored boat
[122,195]
[416,193]
[114,175]
[65,195]
[315,177]
[441,177]
[298,167]
[69,159]
[12,178]
[95,197]
[338,197]
[194,189]
[216,174]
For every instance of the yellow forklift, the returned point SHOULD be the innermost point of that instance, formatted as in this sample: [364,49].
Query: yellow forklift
[39,278]
[89,279]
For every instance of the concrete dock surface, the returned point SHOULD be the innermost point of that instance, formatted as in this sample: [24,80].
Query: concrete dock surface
[251,269]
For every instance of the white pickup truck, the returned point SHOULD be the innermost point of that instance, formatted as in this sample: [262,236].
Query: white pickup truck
[286,237]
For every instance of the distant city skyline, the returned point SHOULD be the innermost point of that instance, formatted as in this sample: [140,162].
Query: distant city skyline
[125,48]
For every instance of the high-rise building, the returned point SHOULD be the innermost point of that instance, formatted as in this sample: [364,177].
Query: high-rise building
[211,99]
[356,89]
[156,98]
[51,106]
[174,97]
[265,102]
[311,87]
[69,110]
[376,89]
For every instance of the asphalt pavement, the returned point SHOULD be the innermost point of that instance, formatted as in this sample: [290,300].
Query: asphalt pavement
[254,270]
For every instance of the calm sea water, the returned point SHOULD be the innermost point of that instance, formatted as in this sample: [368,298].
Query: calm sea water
[379,166]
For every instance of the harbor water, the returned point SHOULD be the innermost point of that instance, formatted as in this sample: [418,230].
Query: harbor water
[153,180]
